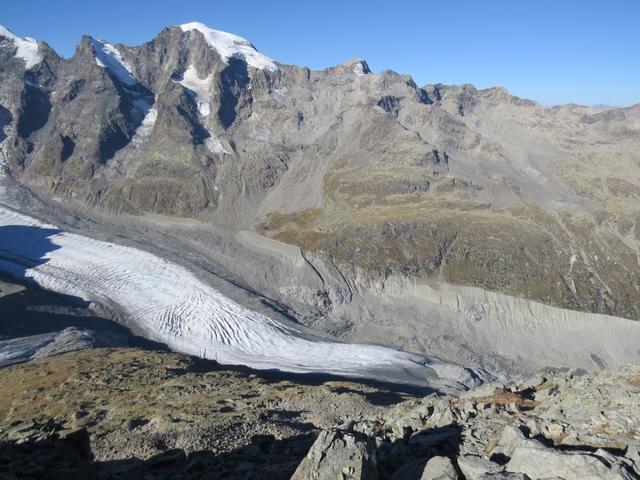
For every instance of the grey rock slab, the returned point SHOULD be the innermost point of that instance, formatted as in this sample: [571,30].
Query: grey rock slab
[439,468]
[473,467]
[435,468]
[507,476]
[510,438]
[337,454]
[540,462]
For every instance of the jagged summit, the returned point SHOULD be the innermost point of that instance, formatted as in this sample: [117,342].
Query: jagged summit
[358,65]
[229,46]
[26,47]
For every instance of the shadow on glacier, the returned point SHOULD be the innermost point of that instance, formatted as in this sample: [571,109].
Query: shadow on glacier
[35,311]
[391,392]
[23,247]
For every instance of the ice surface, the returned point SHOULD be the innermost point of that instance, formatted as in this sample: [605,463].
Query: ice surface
[27,48]
[229,46]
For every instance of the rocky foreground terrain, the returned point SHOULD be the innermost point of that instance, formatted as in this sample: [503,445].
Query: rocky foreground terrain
[131,413]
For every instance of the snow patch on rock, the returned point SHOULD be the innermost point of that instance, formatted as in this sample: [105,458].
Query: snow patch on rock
[358,69]
[229,46]
[214,144]
[199,88]
[107,56]
[27,48]
[4,163]
[6,132]
[144,131]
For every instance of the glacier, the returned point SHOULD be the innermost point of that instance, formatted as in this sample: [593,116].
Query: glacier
[199,88]
[167,303]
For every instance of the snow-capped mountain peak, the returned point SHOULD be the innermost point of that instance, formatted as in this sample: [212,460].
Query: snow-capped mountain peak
[27,48]
[229,46]
[107,56]
[359,66]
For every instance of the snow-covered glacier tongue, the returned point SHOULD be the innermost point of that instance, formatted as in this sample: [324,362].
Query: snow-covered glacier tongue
[167,303]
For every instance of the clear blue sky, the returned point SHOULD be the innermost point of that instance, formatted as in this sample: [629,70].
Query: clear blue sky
[552,51]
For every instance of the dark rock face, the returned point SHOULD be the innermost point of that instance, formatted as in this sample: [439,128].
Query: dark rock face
[75,117]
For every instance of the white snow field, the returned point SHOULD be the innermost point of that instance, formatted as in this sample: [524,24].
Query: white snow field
[107,56]
[167,303]
[229,46]
[199,88]
[26,48]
